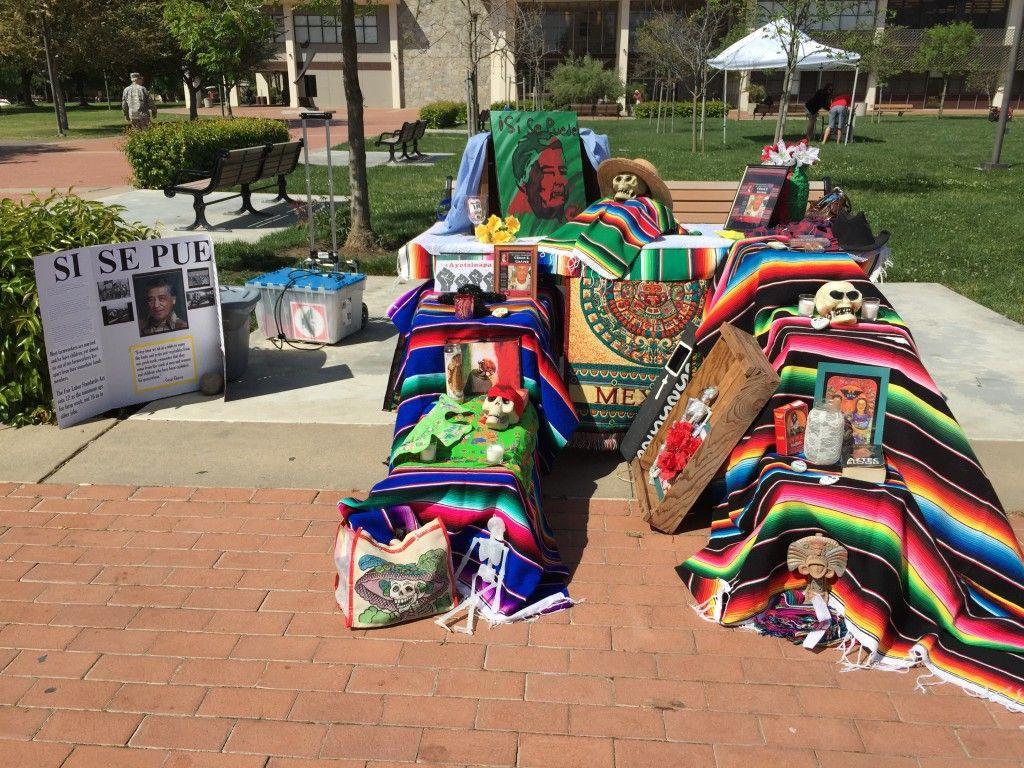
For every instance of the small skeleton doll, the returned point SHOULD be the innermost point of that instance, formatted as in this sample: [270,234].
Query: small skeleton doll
[820,559]
[698,410]
[487,584]
[626,186]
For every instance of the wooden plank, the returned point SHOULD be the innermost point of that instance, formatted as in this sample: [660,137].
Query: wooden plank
[745,382]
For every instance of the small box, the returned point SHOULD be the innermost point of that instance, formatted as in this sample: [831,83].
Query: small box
[303,305]
[790,423]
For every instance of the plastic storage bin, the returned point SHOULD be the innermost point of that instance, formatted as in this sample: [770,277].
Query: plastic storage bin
[309,306]
[236,304]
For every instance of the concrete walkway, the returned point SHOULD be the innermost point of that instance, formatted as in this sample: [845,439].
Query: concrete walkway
[339,158]
[196,627]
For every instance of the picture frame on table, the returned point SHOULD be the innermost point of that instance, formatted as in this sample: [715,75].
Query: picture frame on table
[454,270]
[860,392]
[515,270]
[757,196]
[471,368]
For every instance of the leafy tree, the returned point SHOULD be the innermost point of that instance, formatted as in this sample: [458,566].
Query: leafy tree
[583,81]
[528,48]
[949,49]
[20,46]
[226,39]
[881,53]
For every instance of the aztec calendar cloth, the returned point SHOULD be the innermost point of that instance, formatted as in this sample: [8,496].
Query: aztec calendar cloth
[934,575]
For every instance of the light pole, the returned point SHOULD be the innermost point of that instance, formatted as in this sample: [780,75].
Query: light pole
[997,148]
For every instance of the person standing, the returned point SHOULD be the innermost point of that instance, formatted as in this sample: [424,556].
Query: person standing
[819,101]
[136,104]
[838,117]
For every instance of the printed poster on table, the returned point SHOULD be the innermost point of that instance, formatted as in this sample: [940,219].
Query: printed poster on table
[540,169]
[756,197]
[128,323]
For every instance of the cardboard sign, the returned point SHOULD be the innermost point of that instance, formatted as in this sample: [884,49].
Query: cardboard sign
[128,323]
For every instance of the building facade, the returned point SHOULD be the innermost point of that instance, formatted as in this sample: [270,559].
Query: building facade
[412,52]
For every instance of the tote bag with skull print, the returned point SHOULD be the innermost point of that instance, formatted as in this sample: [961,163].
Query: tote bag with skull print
[383,584]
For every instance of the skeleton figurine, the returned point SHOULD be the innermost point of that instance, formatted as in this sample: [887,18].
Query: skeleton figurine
[839,302]
[626,186]
[502,407]
[698,410]
[819,558]
[487,584]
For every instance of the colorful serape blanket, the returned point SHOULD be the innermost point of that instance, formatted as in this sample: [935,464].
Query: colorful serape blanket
[608,235]
[464,501]
[421,375]
[934,575]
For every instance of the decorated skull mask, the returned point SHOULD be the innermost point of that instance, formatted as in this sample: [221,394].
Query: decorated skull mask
[626,186]
[820,559]
[839,301]
[499,412]
[405,593]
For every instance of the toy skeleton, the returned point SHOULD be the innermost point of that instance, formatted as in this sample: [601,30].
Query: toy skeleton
[698,410]
[487,584]
[839,302]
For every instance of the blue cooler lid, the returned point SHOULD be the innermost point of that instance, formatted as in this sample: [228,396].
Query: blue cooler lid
[307,280]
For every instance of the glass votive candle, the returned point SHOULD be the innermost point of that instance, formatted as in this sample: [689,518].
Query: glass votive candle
[806,306]
[869,309]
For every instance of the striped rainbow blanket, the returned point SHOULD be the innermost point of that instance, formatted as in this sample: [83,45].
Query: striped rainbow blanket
[934,576]
[608,236]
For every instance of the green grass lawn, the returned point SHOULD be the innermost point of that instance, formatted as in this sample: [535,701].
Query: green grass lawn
[915,176]
[38,123]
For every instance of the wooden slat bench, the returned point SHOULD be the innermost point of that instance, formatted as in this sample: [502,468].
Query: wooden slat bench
[899,109]
[405,137]
[609,109]
[237,168]
[709,202]
[765,109]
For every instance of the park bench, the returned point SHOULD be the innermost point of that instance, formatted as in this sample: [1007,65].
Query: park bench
[483,119]
[899,109]
[237,168]
[609,109]
[765,109]
[709,202]
[407,136]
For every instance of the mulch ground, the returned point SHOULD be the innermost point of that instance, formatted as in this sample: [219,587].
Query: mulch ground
[179,627]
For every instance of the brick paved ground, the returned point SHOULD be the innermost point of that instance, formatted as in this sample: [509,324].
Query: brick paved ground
[184,627]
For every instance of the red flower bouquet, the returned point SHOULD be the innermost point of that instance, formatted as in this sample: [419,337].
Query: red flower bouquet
[680,445]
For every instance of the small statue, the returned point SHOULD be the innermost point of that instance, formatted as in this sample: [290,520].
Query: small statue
[698,410]
[503,407]
[839,301]
[820,559]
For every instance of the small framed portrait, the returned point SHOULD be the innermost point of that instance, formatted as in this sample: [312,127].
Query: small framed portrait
[860,393]
[515,270]
[756,197]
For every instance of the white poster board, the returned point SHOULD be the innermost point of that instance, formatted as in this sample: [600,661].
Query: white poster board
[129,323]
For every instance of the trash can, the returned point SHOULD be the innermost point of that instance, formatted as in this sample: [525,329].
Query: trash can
[236,304]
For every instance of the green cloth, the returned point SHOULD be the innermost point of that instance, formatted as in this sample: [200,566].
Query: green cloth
[447,422]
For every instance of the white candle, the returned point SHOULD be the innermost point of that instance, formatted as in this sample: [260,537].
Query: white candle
[495,453]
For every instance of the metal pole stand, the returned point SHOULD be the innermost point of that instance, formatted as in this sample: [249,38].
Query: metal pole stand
[320,258]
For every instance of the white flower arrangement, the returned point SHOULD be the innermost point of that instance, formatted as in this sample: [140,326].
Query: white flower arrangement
[798,154]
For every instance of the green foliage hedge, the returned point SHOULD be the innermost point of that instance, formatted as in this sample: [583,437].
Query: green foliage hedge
[645,109]
[547,105]
[28,229]
[443,114]
[155,154]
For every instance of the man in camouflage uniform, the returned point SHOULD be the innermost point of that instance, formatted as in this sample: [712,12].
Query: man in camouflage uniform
[136,104]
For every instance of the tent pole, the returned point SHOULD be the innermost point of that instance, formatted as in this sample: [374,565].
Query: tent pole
[853,106]
[725,103]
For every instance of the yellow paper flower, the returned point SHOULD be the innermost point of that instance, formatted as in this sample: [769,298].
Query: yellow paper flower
[502,236]
[483,234]
[493,222]
[512,224]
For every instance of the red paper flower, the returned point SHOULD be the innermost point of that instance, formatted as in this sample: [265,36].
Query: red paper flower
[680,445]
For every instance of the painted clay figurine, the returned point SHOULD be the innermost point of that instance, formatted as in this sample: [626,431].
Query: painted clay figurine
[502,407]
[839,301]
[820,559]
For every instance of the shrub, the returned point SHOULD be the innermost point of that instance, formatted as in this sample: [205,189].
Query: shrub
[583,81]
[523,106]
[30,229]
[443,114]
[756,93]
[646,109]
[155,154]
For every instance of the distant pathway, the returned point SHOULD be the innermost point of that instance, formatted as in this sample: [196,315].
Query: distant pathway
[97,168]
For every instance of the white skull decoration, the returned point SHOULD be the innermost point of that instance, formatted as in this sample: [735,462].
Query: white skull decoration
[626,186]
[499,412]
[404,593]
[839,301]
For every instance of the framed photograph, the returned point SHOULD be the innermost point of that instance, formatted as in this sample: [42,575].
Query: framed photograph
[515,270]
[756,197]
[454,270]
[472,367]
[860,393]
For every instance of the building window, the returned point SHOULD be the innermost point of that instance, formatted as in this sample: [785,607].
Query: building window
[276,13]
[327,29]
[587,28]
[921,14]
[309,85]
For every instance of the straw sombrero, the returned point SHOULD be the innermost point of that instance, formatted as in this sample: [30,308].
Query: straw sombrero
[643,170]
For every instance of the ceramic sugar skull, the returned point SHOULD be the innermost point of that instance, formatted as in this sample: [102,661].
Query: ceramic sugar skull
[820,559]
[839,301]
[502,407]
[627,186]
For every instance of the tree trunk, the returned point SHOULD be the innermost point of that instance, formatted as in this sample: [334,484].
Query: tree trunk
[703,118]
[26,87]
[693,122]
[227,95]
[59,107]
[942,98]
[360,234]
[83,100]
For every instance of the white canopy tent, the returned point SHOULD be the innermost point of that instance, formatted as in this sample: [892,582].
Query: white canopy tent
[765,48]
